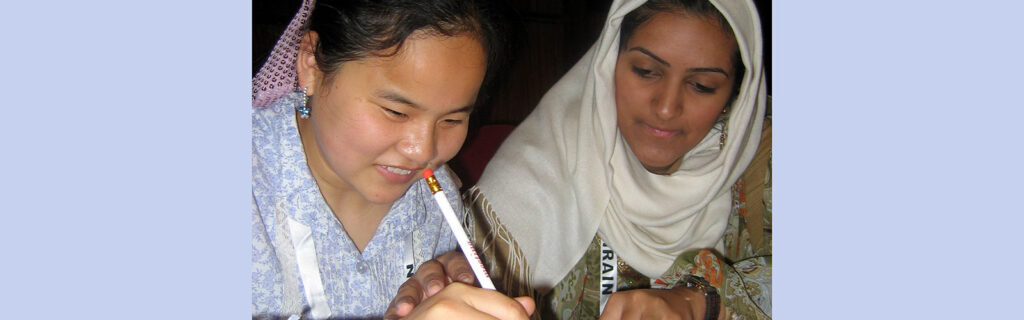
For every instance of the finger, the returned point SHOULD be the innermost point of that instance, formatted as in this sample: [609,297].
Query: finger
[408,297]
[447,306]
[491,302]
[404,308]
[457,268]
[431,278]
[400,307]
[527,304]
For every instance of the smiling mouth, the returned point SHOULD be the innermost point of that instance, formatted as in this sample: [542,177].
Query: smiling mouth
[397,170]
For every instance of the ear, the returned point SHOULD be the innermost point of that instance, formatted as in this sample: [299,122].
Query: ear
[308,71]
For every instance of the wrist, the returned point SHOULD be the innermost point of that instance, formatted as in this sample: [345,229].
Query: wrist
[702,296]
[694,300]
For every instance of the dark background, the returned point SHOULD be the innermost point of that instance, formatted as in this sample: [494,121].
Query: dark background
[553,35]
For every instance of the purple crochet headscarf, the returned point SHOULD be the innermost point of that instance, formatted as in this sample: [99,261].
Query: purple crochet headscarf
[277,76]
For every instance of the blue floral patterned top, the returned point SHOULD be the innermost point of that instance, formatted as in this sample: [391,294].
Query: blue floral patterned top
[303,262]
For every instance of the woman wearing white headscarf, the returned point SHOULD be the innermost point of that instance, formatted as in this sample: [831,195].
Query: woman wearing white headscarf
[623,177]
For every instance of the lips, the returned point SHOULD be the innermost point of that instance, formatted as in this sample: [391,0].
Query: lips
[398,170]
[660,133]
[396,174]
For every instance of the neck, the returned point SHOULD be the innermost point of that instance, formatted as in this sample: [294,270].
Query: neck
[357,216]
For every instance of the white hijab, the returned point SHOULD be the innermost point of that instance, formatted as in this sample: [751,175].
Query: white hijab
[566,172]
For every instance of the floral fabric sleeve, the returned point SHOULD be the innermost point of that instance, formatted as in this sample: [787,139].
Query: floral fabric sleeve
[743,275]
[741,285]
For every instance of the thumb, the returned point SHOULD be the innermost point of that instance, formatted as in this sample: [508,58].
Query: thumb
[527,303]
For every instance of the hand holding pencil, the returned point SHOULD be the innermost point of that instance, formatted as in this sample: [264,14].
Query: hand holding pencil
[443,288]
[460,235]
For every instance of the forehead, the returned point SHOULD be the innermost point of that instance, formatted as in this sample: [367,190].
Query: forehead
[449,55]
[685,37]
[432,70]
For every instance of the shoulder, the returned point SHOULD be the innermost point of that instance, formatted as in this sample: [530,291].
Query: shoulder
[757,177]
[749,227]
[761,164]
[276,145]
[276,118]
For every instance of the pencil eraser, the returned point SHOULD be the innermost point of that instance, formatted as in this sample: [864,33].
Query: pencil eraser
[427,173]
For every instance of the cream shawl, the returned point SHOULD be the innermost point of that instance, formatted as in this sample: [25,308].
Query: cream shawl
[566,172]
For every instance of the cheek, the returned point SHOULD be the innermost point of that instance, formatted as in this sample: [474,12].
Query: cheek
[701,122]
[621,105]
[630,96]
[349,134]
[629,106]
[334,144]
[449,142]
[372,135]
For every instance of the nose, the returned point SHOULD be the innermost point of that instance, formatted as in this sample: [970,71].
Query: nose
[667,103]
[419,145]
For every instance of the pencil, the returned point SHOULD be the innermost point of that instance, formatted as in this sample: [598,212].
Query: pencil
[460,235]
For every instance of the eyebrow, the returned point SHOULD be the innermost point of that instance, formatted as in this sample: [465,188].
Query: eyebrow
[398,98]
[662,61]
[719,70]
[653,56]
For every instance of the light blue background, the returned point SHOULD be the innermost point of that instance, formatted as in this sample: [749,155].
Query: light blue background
[126,159]
[896,159]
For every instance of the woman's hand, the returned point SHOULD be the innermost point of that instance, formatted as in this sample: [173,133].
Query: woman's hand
[461,301]
[676,303]
[451,276]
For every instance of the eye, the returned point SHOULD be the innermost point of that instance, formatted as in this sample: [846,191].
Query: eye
[394,114]
[451,123]
[644,73]
[703,89]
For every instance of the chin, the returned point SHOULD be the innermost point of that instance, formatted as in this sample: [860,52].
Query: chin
[385,196]
[660,166]
[657,169]
[656,159]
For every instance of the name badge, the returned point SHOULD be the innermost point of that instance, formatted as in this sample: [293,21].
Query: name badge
[609,273]
[410,263]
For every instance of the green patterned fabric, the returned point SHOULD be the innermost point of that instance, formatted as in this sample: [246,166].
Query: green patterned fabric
[742,274]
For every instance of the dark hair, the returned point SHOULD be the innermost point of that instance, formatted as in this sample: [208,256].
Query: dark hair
[351,30]
[697,8]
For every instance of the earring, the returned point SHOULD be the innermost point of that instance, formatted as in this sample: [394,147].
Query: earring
[724,120]
[725,134]
[303,108]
